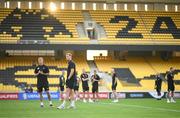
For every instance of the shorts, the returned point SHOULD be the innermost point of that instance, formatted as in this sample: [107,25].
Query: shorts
[70,83]
[76,88]
[41,86]
[95,89]
[85,88]
[171,88]
[61,88]
[113,87]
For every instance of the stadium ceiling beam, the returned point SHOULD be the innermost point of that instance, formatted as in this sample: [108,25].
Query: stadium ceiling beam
[89,47]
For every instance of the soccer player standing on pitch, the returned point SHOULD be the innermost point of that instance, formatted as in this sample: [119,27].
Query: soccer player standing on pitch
[61,84]
[114,85]
[41,72]
[171,87]
[95,85]
[71,77]
[85,86]
[158,83]
[76,87]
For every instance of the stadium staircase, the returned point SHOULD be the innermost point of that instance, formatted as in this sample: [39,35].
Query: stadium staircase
[92,66]
[81,31]
[126,76]
[100,32]
[86,16]
[106,78]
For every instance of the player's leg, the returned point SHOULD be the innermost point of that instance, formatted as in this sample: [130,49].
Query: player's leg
[114,93]
[49,98]
[72,97]
[172,95]
[93,93]
[97,95]
[97,92]
[48,94]
[168,96]
[115,96]
[76,95]
[84,96]
[41,99]
[88,96]
[158,93]
[62,95]
[66,98]
[39,89]
[46,88]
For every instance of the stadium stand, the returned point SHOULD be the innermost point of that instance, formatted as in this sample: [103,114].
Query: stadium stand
[16,71]
[152,25]
[36,24]
[143,69]
[136,73]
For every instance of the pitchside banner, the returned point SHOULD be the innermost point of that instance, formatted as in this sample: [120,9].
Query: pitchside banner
[8,96]
[102,95]
[119,95]
[151,94]
[144,95]
[35,96]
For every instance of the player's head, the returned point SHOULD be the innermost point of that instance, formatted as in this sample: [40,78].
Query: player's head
[158,74]
[63,72]
[95,72]
[83,70]
[68,56]
[171,69]
[112,71]
[40,61]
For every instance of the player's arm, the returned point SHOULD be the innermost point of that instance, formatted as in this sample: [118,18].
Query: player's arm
[98,79]
[92,79]
[46,71]
[116,80]
[60,80]
[155,85]
[166,77]
[71,73]
[36,72]
[82,78]
[87,79]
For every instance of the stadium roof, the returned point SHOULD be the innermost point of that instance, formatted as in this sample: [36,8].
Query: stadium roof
[110,1]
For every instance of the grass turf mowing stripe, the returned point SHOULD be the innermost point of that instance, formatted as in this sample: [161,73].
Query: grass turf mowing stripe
[139,106]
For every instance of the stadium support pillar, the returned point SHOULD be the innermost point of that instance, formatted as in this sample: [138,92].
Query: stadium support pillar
[111,54]
[121,55]
[166,55]
[3,54]
[58,54]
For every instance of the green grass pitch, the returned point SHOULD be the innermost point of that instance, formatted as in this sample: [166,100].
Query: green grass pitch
[126,108]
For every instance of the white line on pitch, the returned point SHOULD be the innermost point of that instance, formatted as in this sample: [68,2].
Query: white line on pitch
[139,106]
